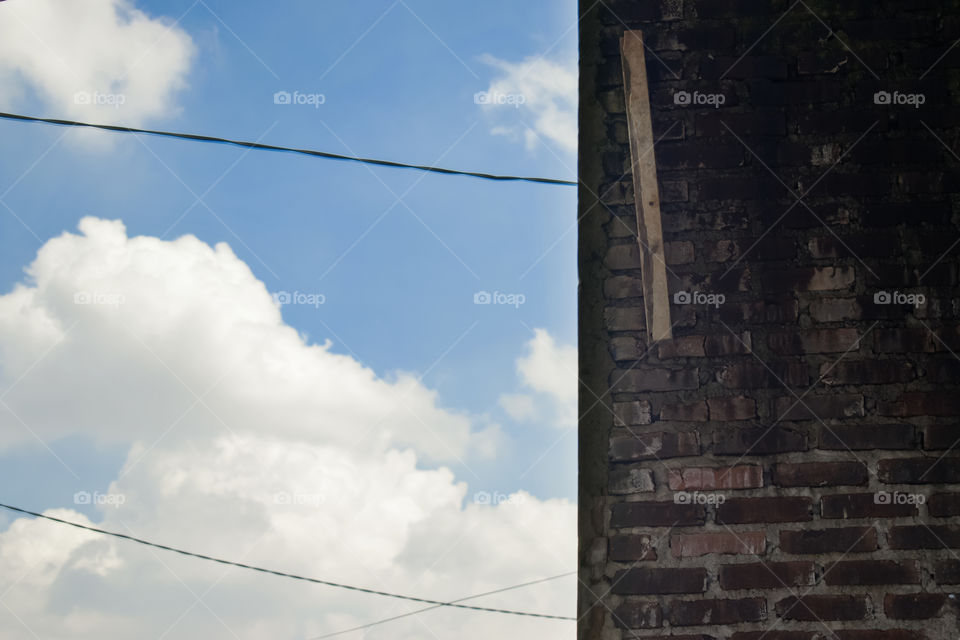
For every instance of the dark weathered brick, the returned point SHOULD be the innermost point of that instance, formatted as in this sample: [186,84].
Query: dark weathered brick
[654,446]
[869,436]
[822,541]
[693,545]
[947,571]
[643,581]
[871,572]
[836,405]
[822,607]
[638,380]
[944,505]
[713,478]
[941,436]
[682,613]
[814,341]
[819,474]
[729,409]
[685,412]
[867,372]
[766,575]
[930,470]
[631,548]
[925,537]
[862,505]
[758,441]
[656,514]
[637,614]
[754,510]
[751,375]
[913,606]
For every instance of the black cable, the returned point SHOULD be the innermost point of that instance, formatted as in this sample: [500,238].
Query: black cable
[270,147]
[281,573]
[436,606]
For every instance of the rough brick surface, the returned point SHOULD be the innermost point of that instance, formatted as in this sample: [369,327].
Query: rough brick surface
[786,466]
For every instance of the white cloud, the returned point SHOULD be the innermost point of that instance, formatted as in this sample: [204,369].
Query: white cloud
[535,99]
[549,370]
[294,458]
[100,60]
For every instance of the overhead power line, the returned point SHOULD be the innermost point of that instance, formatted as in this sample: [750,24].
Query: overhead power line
[436,606]
[269,147]
[282,574]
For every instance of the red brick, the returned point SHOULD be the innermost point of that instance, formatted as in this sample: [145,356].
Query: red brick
[944,505]
[639,380]
[631,548]
[682,613]
[757,441]
[862,505]
[822,607]
[919,470]
[712,478]
[685,412]
[871,572]
[820,541]
[766,575]
[925,537]
[753,510]
[913,606]
[837,405]
[867,372]
[730,409]
[871,436]
[819,474]
[642,581]
[694,545]
[814,341]
[637,614]
[656,514]
[654,446]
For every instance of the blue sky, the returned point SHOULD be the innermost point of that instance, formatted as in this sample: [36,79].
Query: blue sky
[397,255]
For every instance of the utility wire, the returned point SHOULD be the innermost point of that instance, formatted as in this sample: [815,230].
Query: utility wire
[413,613]
[281,573]
[269,147]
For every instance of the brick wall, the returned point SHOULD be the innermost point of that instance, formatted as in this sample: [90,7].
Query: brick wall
[784,468]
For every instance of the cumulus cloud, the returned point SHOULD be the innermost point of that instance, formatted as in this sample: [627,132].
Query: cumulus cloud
[534,100]
[246,442]
[549,372]
[100,60]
